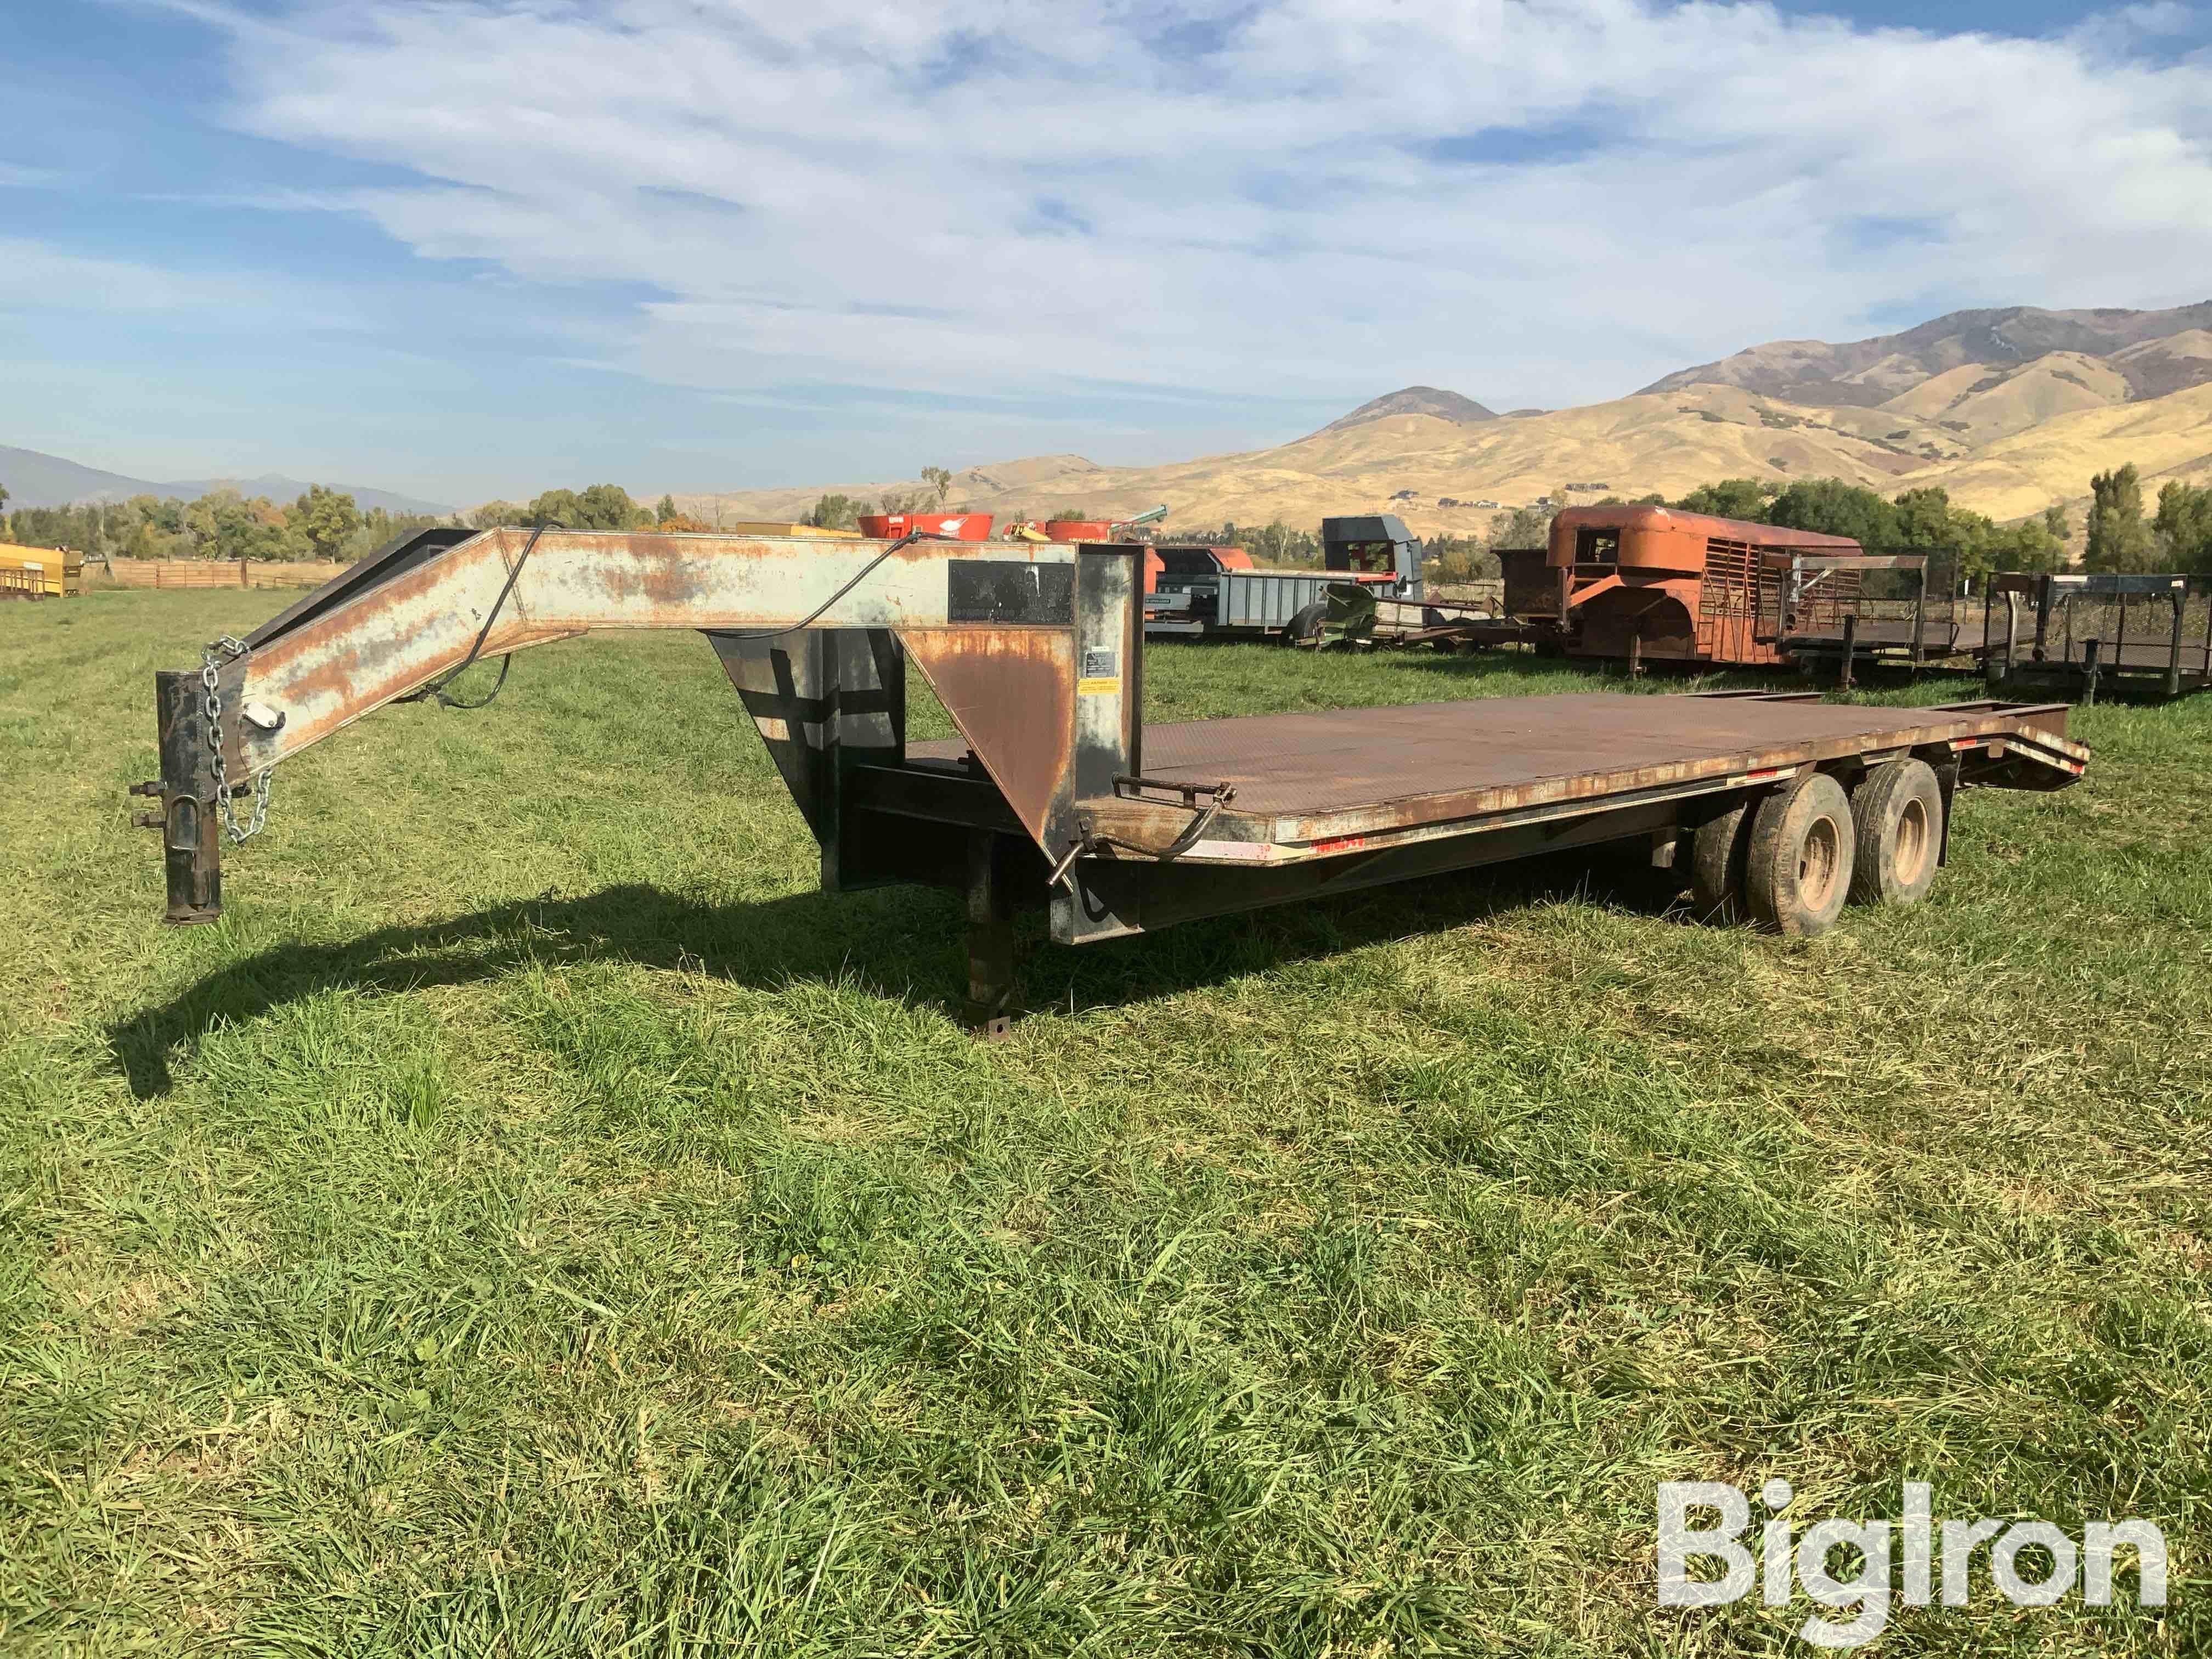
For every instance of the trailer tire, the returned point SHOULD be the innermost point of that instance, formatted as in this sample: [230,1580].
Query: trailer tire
[1898,811]
[1798,872]
[1718,849]
[1305,625]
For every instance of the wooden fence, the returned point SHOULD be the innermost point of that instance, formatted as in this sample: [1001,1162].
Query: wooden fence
[211,573]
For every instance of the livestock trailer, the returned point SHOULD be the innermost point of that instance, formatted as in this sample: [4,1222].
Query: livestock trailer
[1057,796]
[1657,584]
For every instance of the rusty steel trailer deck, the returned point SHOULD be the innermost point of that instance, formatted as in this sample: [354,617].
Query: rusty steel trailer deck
[1057,796]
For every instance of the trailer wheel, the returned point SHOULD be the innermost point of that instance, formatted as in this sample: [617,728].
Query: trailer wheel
[1718,849]
[1898,809]
[1798,872]
[1305,625]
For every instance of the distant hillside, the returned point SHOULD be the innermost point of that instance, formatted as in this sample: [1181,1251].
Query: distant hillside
[1670,443]
[1868,374]
[2010,410]
[34,479]
[1415,400]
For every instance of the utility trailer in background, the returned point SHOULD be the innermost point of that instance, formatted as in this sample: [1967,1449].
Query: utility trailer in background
[1056,797]
[2142,635]
[1842,612]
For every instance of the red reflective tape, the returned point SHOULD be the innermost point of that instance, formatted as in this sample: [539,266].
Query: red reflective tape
[1340,844]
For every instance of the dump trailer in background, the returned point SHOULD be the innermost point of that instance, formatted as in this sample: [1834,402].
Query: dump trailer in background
[1056,797]
[40,573]
[1213,592]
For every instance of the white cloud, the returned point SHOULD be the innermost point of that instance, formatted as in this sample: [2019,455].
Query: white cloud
[36,276]
[974,195]
[2164,17]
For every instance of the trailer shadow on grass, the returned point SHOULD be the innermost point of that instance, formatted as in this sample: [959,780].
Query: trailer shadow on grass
[903,943]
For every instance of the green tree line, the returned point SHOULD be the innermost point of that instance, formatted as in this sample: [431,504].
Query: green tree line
[1924,519]
[323,523]
[2177,538]
[2120,535]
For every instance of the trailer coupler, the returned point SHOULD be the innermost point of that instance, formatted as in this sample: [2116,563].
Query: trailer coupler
[191,817]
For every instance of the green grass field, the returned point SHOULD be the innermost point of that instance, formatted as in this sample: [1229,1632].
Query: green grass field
[535,1220]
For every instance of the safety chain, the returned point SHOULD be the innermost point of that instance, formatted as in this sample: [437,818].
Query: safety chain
[210,666]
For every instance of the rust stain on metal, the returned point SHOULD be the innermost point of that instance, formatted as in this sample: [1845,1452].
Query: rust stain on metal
[653,574]
[1011,692]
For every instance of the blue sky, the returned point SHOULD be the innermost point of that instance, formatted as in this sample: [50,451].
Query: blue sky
[468,247]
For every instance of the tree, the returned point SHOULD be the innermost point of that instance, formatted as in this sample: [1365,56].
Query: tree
[2118,538]
[1835,507]
[224,525]
[492,514]
[1461,559]
[941,479]
[555,507]
[2183,526]
[1278,545]
[2033,544]
[1925,517]
[1523,527]
[326,518]
[607,507]
[665,511]
[1731,498]
[3,494]
[834,513]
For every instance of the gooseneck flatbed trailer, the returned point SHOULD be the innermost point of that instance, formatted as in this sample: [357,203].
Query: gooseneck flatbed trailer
[1055,796]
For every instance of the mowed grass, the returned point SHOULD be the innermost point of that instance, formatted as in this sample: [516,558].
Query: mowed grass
[536,1220]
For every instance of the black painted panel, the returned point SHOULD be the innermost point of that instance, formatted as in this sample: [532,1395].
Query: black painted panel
[1009,591]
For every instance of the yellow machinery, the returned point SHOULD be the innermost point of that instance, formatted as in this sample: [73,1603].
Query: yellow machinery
[40,573]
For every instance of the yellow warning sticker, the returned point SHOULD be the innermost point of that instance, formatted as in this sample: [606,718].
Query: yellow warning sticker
[1100,686]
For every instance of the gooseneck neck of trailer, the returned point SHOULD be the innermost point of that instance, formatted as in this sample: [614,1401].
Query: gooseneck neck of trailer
[1032,647]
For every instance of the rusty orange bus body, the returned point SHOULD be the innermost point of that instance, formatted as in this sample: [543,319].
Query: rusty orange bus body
[1659,585]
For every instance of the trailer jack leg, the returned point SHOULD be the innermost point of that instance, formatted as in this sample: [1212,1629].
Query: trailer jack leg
[190,818]
[989,1009]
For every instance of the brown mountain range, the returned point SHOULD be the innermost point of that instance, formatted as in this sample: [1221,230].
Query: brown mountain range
[2009,409]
